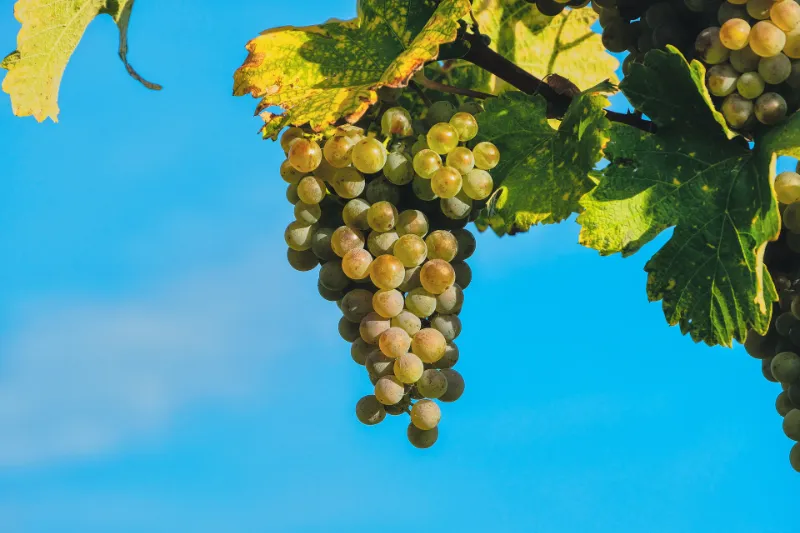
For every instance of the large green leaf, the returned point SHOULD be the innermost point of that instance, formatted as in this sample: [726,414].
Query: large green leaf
[541,45]
[543,171]
[694,176]
[51,30]
[319,74]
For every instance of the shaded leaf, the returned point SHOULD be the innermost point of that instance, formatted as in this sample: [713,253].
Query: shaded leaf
[10,60]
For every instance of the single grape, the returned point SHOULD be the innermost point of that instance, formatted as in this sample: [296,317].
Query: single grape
[737,110]
[389,303]
[381,243]
[785,15]
[549,8]
[410,279]
[728,11]
[348,330]
[298,235]
[487,156]
[354,214]
[399,168]
[775,69]
[387,272]
[782,404]
[463,273]
[432,384]
[382,216]
[785,322]
[360,350]
[289,174]
[393,343]
[478,184]
[382,190]
[302,261]
[332,276]
[766,39]
[307,213]
[709,47]
[356,263]
[446,182]
[770,108]
[450,357]
[424,439]
[442,244]
[408,367]
[410,250]
[759,9]
[616,36]
[792,46]
[455,385]
[369,411]
[758,346]
[437,276]
[465,125]
[745,60]
[348,182]
[465,245]
[429,345]
[793,80]
[426,163]
[461,158]
[305,155]
[750,85]
[426,414]
[448,325]
[328,294]
[457,207]
[289,136]
[396,121]
[311,190]
[787,187]
[791,424]
[338,150]
[420,302]
[389,390]
[422,189]
[408,322]
[450,301]
[794,455]
[379,365]
[786,367]
[442,139]
[321,244]
[471,107]
[325,171]
[344,239]
[369,155]
[412,222]
[372,326]
[441,111]
[735,34]
[420,144]
[766,370]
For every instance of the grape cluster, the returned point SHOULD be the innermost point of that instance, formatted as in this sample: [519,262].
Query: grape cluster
[386,221]
[779,349]
[551,8]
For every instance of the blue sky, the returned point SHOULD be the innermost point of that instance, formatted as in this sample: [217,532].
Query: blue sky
[163,369]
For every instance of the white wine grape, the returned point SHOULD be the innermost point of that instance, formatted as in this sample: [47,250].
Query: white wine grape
[408,322]
[408,368]
[393,343]
[389,390]
[432,384]
[387,272]
[369,155]
[344,239]
[425,414]
[442,244]
[437,276]
[429,345]
[388,303]
[446,182]
[370,411]
[410,250]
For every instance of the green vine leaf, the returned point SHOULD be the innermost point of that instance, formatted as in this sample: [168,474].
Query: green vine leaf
[51,30]
[542,45]
[711,188]
[543,171]
[319,74]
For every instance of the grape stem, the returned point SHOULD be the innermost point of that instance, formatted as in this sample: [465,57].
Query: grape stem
[482,56]
[433,85]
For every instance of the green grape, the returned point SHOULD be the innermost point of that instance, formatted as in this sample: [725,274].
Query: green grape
[410,250]
[426,162]
[408,322]
[321,244]
[775,69]
[410,280]
[709,48]
[325,171]
[357,304]
[348,330]
[369,155]
[721,79]
[794,455]
[471,107]
[412,222]
[298,235]
[759,9]
[791,424]
[302,261]
[455,385]
[786,367]
[457,207]
[658,14]
[461,159]
[289,136]
[463,273]
[450,301]
[382,190]
[396,121]
[338,150]
[782,404]
[420,144]
[394,342]
[478,184]
[332,276]
[372,327]
[446,182]
[432,384]
[745,60]
[766,39]
[381,243]
[399,168]
[737,110]
[360,350]
[356,262]
[382,217]
[465,244]
[426,414]
[387,272]
[305,155]
[793,80]
[450,357]
[442,139]
[289,174]
[549,8]
[388,303]
[616,36]
[487,156]
[328,294]
[442,244]
[311,190]
[792,46]
[307,213]
[735,34]
[422,189]
[354,214]
[408,368]
[785,15]
[389,390]
[422,439]
[428,344]
[770,108]
[787,187]
[448,325]
[370,411]
[420,302]
[379,365]
[441,111]
[348,182]
[465,125]
[728,11]
[390,95]
[345,239]
[437,276]
[750,85]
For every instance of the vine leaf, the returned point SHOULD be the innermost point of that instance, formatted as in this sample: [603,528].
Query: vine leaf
[543,170]
[319,74]
[542,45]
[50,32]
[695,176]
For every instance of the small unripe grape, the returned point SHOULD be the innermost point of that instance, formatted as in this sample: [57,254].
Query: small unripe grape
[354,214]
[426,414]
[311,190]
[487,156]
[413,222]
[325,171]
[457,207]
[410,250]
[785,15]
[432,384]
[332,276]
[442,138]
[425,439]
[382,216]
[794,455]
[389,390]
[305,155]
[348,182]
[410,280]
[759,9]
[420,144]
[791,217]
[307,213]
[360,350]
[791,424]
[381,243]
[737,110]
[426,162]
[465,244]
[291,194]
[442,244]
[461,159]
[709,48]
[766,39]
[345,239]
[783,404]
[775,69]
[735,34]
[750,85]
[429,345]
[450,301]
[302,261]
[298,235]
[372,327]
[378,364]
[450,357]
[321,244]
[745,60]
[389,303]
[786,367]
[399,168]
[770,108]
[420,302]
[478,184]
[787,187]
[446,182]
[408,322]
[387,272]
[289,136]
[393,343]
[357,304]
[356,262]
[463,273]
[455,385]
[338,150]
[408,368]
[422,189]
[396,121]
[437,276]
[382,190]
[369,155]
[369,411]
[465,125]
[447,325]
[441,111]
[289,174]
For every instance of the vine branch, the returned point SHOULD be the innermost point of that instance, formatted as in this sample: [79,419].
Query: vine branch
[481,55]
[420,78]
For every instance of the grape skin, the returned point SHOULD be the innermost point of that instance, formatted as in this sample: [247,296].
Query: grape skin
[465,125]
[389,303]
[791,424]
[450,301]
[369,155]
[389,390]
[421,303]
[487,156]
[426,162]
[786,367]
[442,138]
[412,221]
[387,272]
[425,414]
[462,159]
[478,184]
[369,410]
[354,214]
[787,187]
[432,384]
[357,304]
[304,155]
[394,342]
[437,276]
[298,235]
[750,85]
[766,39]
[422,439]
[408,368]
[776,69]
[709,47]
[448,325]
[302,261]
[735,34]
[442,244]
[410,279]
[446,182]
[408,322]
[450,357]
[382,217]
[311,190]
[380,243]
[455,385]
[429,345]
[411,250]
[372,327]
[737,110]
[344,239]
[348,183]
[289,136]
[785,15]
[770,108]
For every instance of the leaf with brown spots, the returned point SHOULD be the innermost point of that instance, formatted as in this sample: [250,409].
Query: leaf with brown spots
[319,74]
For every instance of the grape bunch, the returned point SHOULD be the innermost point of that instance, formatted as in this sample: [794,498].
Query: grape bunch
[383,209]
[779,349]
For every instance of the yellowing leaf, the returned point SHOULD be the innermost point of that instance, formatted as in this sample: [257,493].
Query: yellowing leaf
[319,74]
[51,30]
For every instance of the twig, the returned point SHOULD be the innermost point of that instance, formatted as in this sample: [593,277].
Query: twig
[421,93]
[420,78]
